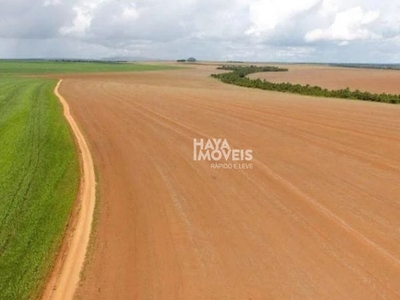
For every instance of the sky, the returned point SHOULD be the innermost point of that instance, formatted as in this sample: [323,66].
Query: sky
[359,31]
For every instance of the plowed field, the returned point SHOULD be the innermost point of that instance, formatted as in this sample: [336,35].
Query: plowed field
[317,217]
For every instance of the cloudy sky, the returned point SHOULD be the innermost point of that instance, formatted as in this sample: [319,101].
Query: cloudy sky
[250,30]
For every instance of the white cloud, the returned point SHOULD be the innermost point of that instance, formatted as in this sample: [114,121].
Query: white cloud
[84,14]
[51,2]
[130,12]
[294,52]
[265,15]
[80,24]
[329,8]
[350,24]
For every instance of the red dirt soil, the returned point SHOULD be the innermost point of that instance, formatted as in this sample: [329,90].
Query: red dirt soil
[372,80]
[317,218]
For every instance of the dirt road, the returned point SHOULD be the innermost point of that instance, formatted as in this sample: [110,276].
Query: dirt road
[66,275]
[318,216]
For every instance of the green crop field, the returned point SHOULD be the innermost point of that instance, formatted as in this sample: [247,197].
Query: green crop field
[39,177]
[57,67]
[39,171]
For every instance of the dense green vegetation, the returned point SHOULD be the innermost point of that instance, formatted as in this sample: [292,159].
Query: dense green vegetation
[39,176]
[238,75]
[49,67]
[189,60]
[243,71]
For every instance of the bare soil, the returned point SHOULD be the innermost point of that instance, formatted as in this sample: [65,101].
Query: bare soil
[317,218]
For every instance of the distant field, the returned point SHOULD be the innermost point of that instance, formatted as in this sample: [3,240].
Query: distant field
[39,177]
[333,78]
[53,67]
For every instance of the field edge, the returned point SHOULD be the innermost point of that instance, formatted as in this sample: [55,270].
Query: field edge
[66,274]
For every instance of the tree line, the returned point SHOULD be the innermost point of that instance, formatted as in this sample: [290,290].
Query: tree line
[238,74]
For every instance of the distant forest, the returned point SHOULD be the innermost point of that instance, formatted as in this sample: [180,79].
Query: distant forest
[369,66]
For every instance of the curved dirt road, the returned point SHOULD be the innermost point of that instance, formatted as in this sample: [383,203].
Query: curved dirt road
[317,218]
[66,275]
